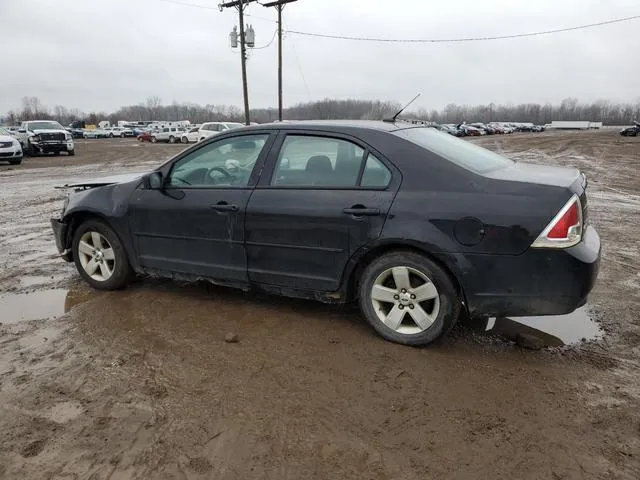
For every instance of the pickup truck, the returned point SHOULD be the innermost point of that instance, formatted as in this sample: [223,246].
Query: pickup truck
[45,136]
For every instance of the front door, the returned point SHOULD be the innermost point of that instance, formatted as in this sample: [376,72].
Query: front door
[327,196]
[195,224]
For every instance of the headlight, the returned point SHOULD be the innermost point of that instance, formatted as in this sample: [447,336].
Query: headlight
[68,136]
[35,138]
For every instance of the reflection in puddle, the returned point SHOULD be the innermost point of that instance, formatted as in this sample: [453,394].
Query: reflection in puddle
[22,307]
[552,331]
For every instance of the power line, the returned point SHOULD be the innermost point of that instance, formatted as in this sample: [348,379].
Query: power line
[466,39]
[275,32]
[206,7]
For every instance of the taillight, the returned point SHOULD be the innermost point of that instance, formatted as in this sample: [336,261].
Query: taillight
[565,230]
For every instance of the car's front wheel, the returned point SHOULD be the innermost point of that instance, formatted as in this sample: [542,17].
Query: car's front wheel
[154,139]
[100,256]
[184,140]
[71,153]
[408,299]
[172,139]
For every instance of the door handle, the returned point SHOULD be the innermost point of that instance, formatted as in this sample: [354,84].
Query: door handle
[225,207]
[361,211]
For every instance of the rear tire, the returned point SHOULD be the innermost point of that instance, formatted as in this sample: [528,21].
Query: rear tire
[184,140]
[100,256]
[172,139]
[154,140]
[408,299]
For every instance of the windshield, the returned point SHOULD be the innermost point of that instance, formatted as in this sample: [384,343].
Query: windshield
[44,126]
[460,152]
[4,131]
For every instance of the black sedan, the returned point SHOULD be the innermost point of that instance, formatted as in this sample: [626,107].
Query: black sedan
[632,131]
[416,225]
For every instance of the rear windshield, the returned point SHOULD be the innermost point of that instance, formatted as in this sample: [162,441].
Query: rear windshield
[460,152]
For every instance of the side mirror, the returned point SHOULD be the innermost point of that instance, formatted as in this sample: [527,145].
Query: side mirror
[154,181]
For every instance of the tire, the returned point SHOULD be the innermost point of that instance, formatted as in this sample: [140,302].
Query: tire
[154,140]
[56,154]
[172,139]
[111,135]
[114,272]
[184,140]
[71,153]
[122,135]
[15,162]
[394,317]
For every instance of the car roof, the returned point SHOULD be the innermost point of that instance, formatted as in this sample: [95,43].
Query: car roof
[335,125]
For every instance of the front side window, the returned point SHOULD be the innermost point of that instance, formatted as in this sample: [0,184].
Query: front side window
[308,161]
[460,152]
[225,163]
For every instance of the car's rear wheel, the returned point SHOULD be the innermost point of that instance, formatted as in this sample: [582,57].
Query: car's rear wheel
[408,299]
[184,140]
[172,139]
[122,135]
[100,256]
[154,139]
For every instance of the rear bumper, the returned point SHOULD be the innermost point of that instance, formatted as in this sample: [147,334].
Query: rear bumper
[60,234]
[538,282]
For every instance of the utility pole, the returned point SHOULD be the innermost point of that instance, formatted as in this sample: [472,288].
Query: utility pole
[240,4]
[279,4]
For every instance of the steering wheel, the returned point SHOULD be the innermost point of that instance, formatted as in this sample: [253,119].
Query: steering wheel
[226,174]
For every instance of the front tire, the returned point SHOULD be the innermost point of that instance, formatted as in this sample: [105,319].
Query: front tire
[172,139]
[408,299]
[184,140]
[154,140]
[100,256]
[71,153]
[15,162]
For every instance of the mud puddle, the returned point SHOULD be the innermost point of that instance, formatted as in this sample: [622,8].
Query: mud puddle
[548,331]
[39,305]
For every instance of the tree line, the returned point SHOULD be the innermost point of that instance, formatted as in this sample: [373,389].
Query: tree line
[152,109]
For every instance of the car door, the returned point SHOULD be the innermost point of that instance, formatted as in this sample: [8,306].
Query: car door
[323,197]
[195,224]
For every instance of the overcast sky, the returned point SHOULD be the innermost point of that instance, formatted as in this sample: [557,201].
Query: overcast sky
[99,55]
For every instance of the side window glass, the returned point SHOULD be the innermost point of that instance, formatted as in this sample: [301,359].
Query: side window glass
[308,161]
[375,173]
[226,163]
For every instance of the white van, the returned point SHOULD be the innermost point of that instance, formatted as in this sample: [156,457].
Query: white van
[213,128]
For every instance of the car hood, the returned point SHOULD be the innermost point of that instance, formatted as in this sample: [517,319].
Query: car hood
[540,174]
[101,182]
[48,130]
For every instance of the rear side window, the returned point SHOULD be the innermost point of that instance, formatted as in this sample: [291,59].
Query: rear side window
[309,161]
[460,152]
[375,173]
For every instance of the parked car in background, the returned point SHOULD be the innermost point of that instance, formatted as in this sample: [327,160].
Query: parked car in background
[10,148]
[76,132]
[632,131]
[166,134]
[190,136]
[144,136]
[336,211]
[213,128]
[96,133]
[121,132]
[45,136]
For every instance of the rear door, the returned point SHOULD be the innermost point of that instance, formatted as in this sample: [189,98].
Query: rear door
[321,198]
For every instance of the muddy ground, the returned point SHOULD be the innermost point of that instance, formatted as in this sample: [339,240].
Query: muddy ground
[141,384]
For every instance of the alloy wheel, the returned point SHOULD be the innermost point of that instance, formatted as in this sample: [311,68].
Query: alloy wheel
[405,300]
[96,256]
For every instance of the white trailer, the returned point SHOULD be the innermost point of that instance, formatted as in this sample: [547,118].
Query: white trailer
[573,125]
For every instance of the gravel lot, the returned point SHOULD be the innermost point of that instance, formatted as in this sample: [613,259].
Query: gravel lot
[141,384]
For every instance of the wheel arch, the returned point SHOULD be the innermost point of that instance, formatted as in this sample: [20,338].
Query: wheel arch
[360,261]
[77,218]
